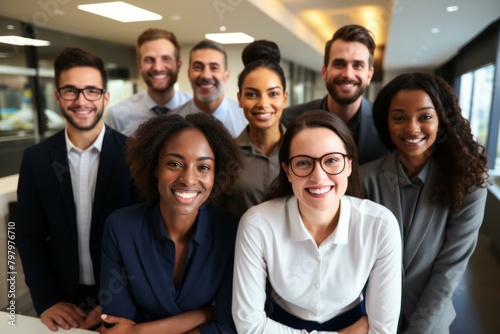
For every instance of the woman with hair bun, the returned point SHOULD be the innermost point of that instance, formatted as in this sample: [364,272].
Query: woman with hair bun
[262,96]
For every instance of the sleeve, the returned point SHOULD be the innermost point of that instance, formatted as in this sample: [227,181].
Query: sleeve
[115,295]
[462,229]
[249,287]
[383,292]
[32,239]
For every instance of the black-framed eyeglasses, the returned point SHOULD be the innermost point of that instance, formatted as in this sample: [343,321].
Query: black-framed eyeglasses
[332,163]
[72,93]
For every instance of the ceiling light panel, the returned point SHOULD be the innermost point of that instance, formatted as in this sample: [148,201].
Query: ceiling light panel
[120,11]
[230,38]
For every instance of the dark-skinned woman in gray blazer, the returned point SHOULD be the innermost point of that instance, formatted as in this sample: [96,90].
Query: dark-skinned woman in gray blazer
[434,183]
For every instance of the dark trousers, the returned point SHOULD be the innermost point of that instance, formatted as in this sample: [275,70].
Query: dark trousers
[275,312]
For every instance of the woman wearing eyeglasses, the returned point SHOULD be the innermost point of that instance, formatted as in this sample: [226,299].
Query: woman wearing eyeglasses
[324,253]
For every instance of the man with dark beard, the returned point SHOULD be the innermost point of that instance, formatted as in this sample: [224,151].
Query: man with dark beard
[68,185]
[347,71]
[159,63]
[208,74]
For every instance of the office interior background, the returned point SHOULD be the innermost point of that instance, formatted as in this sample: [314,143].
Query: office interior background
[458,40]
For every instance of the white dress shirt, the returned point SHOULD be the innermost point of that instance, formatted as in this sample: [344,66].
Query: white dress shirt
[126,116]
[317,283]
[228,113]
[83,166]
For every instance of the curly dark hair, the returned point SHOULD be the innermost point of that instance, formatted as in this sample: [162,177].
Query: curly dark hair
[461,161]
[144,146]
[281,187]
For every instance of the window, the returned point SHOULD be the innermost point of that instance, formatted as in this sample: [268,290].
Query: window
[476,94]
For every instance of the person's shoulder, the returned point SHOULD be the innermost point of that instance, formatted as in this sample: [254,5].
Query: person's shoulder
[369,208]
[129,216]
[185,97]
[372,166]
[233,104]
[266,211]
[184,109]
[118,136]
[56,139]
[289,113]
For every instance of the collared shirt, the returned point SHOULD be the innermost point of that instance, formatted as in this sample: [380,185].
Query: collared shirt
[83,166]
[228,112]
[138,261]
[259,171]
[311,282]
[127,115]
[410,191]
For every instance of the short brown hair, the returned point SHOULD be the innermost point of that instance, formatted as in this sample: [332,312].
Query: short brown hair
[352,33]
[76,57]
[153,34]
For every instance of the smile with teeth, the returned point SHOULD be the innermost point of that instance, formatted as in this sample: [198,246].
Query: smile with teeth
[82,112]
[263,115]
[185,195]
[319,191]
[412,140]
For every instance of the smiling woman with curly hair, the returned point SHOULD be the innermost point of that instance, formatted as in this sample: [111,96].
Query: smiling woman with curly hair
[434,183]
[175,252]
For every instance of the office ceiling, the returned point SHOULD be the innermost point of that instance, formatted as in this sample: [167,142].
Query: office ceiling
[300,27]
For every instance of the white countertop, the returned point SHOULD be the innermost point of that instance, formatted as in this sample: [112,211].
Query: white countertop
[30,325]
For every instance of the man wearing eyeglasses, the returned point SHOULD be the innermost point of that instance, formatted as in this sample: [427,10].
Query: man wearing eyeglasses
[68,185]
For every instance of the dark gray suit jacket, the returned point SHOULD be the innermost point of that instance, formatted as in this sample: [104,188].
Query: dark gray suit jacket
[46,226]
[437,249]
[369,145]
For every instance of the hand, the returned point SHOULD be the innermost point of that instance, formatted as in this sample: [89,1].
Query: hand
[359,327]
[63,314]
[120,325]
[93,319]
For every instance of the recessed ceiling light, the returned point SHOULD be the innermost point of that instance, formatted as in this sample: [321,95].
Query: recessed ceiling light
[451,8]
[222,28]
[10,27]
[175,17]
[18,40]
[435,30]
[230,38]
[120,11]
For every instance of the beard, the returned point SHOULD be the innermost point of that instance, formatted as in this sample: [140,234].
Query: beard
[172,75]
[219,88]
[70,120]
[344,100]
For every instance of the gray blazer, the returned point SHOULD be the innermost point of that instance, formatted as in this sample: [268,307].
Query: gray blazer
[438,246]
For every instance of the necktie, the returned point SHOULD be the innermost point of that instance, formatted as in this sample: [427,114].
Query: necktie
[160,110]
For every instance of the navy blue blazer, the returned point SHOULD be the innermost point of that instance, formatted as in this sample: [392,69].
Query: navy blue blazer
[138,259]
[368,142]
[46,226]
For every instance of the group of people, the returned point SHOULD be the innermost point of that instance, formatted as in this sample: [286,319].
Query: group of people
[223,216]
